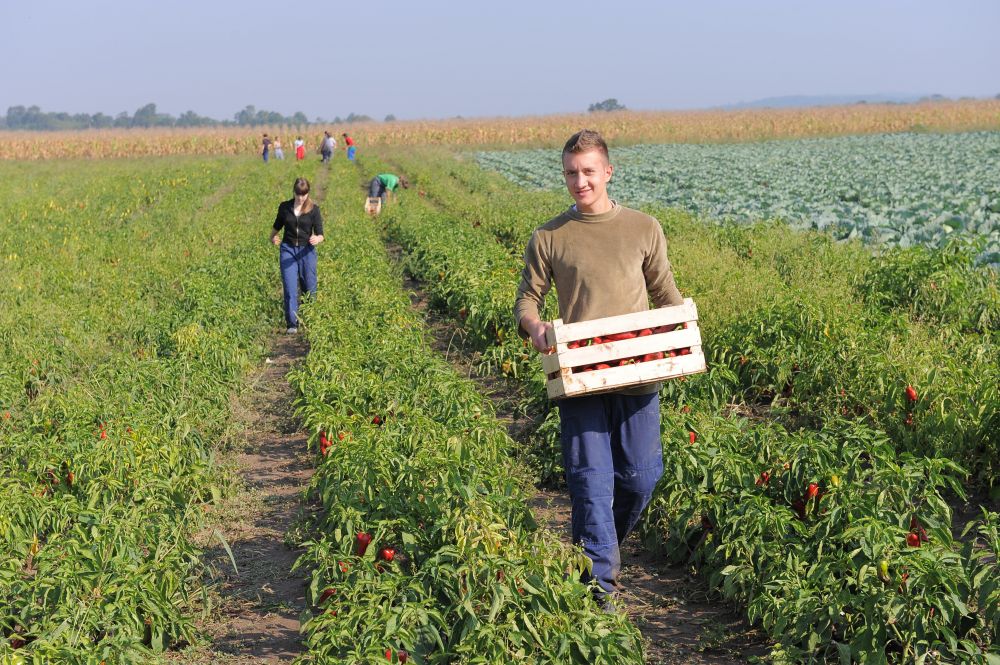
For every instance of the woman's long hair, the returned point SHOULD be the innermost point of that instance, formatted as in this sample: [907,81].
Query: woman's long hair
[301,188]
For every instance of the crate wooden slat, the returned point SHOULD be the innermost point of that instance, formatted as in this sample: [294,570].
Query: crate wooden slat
[562,381]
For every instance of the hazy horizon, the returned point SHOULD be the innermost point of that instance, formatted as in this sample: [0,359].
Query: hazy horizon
[437,61]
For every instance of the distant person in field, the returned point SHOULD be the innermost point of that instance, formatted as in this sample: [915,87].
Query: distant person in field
[278,153]
[604,260]
[267,147]
[300,149]
[385,184]
[303,230]
[349,146]
[327,147]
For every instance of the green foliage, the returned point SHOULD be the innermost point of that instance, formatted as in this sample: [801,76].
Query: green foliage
[939,287]
[126,323]
[610,104]
[33,118]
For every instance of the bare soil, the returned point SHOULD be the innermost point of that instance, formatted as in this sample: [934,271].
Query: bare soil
[680,621]
[257,604]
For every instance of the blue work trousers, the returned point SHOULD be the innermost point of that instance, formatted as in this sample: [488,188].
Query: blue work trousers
[613,458]
[377,188]
[298,272]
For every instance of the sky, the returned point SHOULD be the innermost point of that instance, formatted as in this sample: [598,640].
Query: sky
[436,59]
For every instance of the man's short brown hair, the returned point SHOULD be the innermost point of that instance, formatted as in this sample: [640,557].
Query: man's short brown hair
[584,140]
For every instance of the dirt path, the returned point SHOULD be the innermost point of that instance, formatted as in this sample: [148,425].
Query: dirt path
[258,604]
[680,622]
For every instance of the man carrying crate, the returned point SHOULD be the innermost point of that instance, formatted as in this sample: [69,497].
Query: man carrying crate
[604,259]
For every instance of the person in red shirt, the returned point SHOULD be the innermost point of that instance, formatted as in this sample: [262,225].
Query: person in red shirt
[351,149]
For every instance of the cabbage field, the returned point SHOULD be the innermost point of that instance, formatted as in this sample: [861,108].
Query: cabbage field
[890,189]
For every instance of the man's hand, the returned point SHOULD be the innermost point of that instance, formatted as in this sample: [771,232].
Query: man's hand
[537,330]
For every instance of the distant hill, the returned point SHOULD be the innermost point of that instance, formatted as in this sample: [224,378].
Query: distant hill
[794,101]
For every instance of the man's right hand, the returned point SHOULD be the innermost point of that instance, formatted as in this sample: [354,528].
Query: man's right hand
[537,331]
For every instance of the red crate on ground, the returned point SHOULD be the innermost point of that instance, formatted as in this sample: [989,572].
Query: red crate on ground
[623,351]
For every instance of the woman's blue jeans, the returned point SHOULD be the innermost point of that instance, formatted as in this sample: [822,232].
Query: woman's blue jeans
[298,272]
[613,458]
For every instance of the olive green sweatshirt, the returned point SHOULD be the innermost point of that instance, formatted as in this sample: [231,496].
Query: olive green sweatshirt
[601,264]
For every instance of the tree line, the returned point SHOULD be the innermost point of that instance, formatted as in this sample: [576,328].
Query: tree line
[33,118]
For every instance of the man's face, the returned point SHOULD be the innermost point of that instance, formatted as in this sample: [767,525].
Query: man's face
[587,175]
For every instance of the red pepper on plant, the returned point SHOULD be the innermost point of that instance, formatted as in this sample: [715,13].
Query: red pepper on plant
[362,540]
[799,506]
[917,528]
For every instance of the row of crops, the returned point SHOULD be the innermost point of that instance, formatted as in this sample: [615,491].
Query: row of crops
[424,551]
[137,294]
[889,190]
[816,490]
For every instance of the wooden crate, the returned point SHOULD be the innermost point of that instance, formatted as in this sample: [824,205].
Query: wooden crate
[565,367]
[373,205]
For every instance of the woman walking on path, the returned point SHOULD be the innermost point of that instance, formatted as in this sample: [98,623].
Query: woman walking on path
[303,226]
[278,152]
[300,149]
